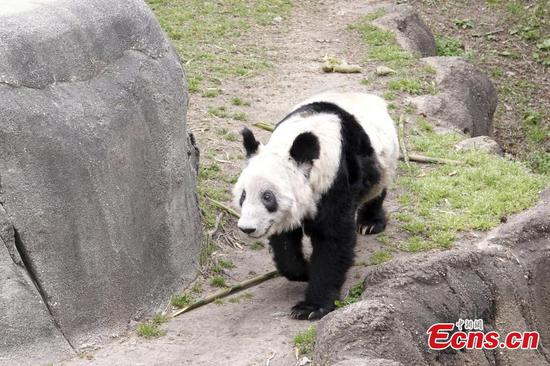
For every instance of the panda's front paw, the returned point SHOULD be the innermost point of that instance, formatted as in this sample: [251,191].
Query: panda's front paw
[371,227]
[306,311]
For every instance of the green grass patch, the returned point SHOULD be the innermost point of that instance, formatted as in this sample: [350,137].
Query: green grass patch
[407,85]
[220,112]
[257,245]
[414,86]
[217,281]
[380,12]
[240,116]
[354,294]
[304,341]
[211,93]
[448,46]
[239,102]
[380,256]
[441,201]
[227,264]
[208,35]
[226,134]
[382,45]
[149,330]
[160,319]
[181,300]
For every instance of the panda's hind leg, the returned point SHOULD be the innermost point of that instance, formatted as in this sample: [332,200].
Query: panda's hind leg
[371,217]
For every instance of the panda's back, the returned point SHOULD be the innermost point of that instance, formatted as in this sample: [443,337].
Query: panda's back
[370,111]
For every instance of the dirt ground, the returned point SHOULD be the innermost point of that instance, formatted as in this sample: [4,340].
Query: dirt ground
[255,329]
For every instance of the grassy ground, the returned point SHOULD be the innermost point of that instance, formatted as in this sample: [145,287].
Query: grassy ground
[438,204]
[208,36]
[510,40]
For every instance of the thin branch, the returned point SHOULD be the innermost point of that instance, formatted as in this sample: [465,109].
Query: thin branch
[401,139]
[228,291]
[223,206]
[488,33]
[426,159]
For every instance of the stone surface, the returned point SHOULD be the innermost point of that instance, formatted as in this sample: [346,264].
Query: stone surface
[466,98]
[484,143]
[27,331]
[410,30]
[97,169]
[503,280]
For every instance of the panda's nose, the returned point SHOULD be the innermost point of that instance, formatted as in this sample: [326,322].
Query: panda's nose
[247,230]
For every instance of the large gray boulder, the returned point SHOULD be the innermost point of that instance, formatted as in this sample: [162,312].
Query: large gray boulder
[503,280]
[97,171]
[410,30]
[466,98]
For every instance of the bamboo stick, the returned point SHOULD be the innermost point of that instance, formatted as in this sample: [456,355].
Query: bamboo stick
[228,291]
[223,206]
[401,139]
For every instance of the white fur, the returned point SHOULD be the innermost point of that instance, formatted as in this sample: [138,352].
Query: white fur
[272,168]
[371,112]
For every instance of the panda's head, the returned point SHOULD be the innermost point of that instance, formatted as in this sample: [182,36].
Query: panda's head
[273,191]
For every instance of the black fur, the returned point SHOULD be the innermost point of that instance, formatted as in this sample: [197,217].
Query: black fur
[371,218]
[249,141]
[305,148]
[333,230]
[287,252]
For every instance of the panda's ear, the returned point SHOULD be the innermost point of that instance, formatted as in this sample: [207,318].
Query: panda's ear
[250,143]
[304,150]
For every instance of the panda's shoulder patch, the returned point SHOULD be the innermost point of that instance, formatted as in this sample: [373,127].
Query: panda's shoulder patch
[305,148]
[352,132]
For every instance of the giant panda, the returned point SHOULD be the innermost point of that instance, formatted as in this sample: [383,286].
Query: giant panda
[324,173]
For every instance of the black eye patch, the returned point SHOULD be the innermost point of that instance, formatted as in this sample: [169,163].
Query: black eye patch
[269,200]
[243,196]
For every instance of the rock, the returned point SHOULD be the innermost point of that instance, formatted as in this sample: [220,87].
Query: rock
[466,98]
[503,280]
[384,71]
[410,30]
[97,168]
[483,143]
[28,334]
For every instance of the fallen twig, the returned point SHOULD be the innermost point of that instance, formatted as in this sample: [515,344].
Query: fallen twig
[488,33]
[223,206]
[426,159]
[228,291]
[401,139]
[269,359]
[216,226]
